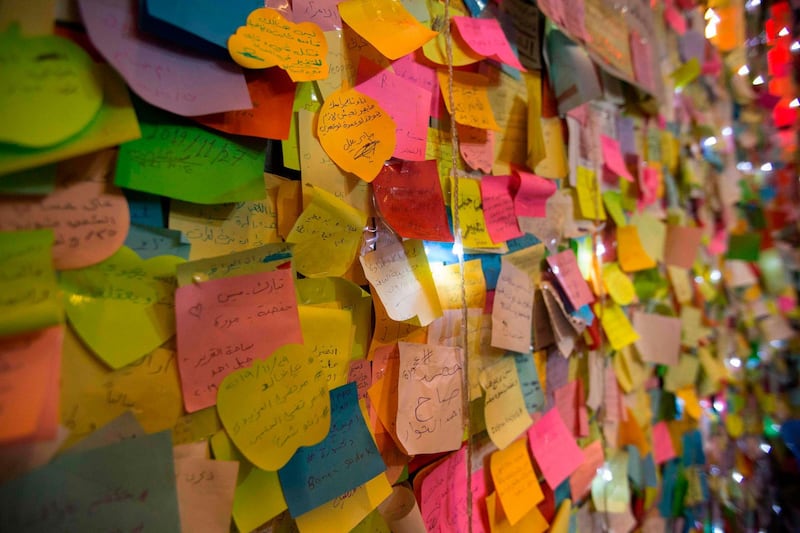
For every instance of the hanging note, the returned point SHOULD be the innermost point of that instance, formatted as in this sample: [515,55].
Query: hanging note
[681,245]
[504,405]
[659,337]
[205,493]
[515,480]
[226,324]
[498,208]
[485,37]
[356,132]
[531,198]
[580,481]
[554,448]
[512,312]
[474,233]
[477,147]
[470,99]
[616,325]
[565,267]
[587,187]
[612,157]
[631,255]
[443,496]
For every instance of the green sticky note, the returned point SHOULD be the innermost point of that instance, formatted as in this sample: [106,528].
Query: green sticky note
[29,295]
[179,159]
[49,89]
[746,247]
[35,181]
[613,202]
[649,284]
[773,271]
[686,73]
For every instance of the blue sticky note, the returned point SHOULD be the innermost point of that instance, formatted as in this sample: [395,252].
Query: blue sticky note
[635,473]
[669,480]
[693,453]
[649,468]
[790,433]
[149,242]
[145,208]
[561,493]
[346,459]
[128,486]
[529,381]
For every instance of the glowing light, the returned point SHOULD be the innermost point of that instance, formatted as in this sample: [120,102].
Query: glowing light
[727,131]
[752,4]
[715,275]
[744,166]
[600,249]
[713,19]
[744,70]
[765,447]
[719,406]
[736,362]
[709,141]
[759,80]
[794,103]
[698,279]
[605,473]
[458,250]
[795,46]
[784,32]
[718,529]
[766,167]
[737,477]
[555,270]
[776,509]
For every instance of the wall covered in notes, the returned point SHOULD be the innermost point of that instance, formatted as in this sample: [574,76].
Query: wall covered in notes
[399,265]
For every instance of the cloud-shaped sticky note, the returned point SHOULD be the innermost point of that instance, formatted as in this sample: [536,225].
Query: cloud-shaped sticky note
[268,40]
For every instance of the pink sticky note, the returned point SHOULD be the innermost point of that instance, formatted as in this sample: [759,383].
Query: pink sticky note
[422,76]
[564,398]
[225,324]
[642,59]
[786,303]
[719,242]
[565,267]
[612,157]
[182,82]
[581,479]
[498,208]
[554,449]
[648,186]
[407,104]
[486,37]
[663,450]
[323,13]
[674,18]
[532,196]
[476,147]
[360,372]
[612,399]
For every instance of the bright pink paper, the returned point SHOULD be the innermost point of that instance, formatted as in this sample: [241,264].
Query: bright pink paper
[675,19]
[719,243]
[553,9]
[532,195]
[498,208]
[663,450]
[486,37]
[225,324]
[565,267]
[648,186]
[360,373]
[407,104]
[182,82]
[786,303]
[323,13]
[554,449]
[612,157]
[476,147]
[420,75]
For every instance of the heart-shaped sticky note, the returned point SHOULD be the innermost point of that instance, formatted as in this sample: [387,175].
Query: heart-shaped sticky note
[49,89]
[275,406]
[268,39]
[122,308]
[356,133]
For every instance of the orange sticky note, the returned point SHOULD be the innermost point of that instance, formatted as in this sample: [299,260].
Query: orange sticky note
[476,147]
[515,481]
[356,133]
[630,253]
[268,39]
[387,25]
[532,522]
[581,480]
[470,99]
[631,433]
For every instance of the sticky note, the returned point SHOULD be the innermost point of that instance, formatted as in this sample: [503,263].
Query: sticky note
[477,147]
[324,13]
[613,495]
[512,312]
[612,157]
[681,246]
[565,267]
[555,450]
[504,405]
[692,330]
[150,242]
[409,197]
[395,33]
[514,480]
[485,37]
[745,246]
[618,284]
[588,189]
[356,132]
[652,232]
[348,511]
[403,281]
[205,491]
[328,335]
[443,495]
[472,221]
[346,458]
[30,297]
[226,324]
[659,337]
[126,296]
[470,99]
[50,89]
[581,479]
[616,325]
[430,398]
[435,50]
[630,253]
[203,19]
[181,82]
[532,195]
[529,381]
[267,258]
[686,73]
[498,208]
[326,235]
[682,375]
[612,200]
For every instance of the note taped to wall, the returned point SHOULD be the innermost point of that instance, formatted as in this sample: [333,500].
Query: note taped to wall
[512,311]
[554,448]
[504,408]
[515,481]
[470,99]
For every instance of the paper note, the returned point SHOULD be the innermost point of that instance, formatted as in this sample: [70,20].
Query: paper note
[692,330]
[45,103]
[587,187]
[498,208]
[477,147]
[435,50]
[564,326]
[185,83]
[226,324]
[348,511]
[472,222]
[356,132]
[529,381]
[204,19]
[681,246]
[652,232]
[30,298]
[394,33]
[403,281]
[470,99]
[409,197]
[565,267]
[150,242]
[126,486]
[532,522]
[88,216]
[328,334]
[127,296]
[504,405]
[323,13]
[531,198]
[554,448]
[612,157]
[514,480]
[616,325]
[430,398]
[326,236]
[659,338]
[267,258]
[581,479]
[485,37]
[612,200]
[443,496]
[614,494]
[205,493]
[512,311]
[682,375]
[346,458]
[631,255]
[618,284]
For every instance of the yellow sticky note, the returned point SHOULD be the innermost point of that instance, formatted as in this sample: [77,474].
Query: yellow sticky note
[504,406]
[630,253]
[692,330]
[436,49]
[326,236]
[356,133]
[714,369]
[653,234]
[588,189]
[532,522]
[616,325]
[682,375]
[275,406]
[470,214]
[554,165]
[681,286]
[618,284]
[268,39]
[515,481]
[690,402]
[197,426]
[560,523]
[328,335]
[448,285]
[735,425]
[613,203]
[470,99]
[612,493]
[387,25]
[346,511]
[686,73]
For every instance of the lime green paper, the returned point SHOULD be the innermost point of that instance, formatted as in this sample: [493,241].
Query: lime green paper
[123,307]
[29,298]
[49,89]
[746,247]
[181,160]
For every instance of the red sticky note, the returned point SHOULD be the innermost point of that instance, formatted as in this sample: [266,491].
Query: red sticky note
[565,267]
[532,195]
[486,37]
[674,18]
[554,449]
[663,450]
[476,147]
[612,157]
[498,208]
[648,186]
